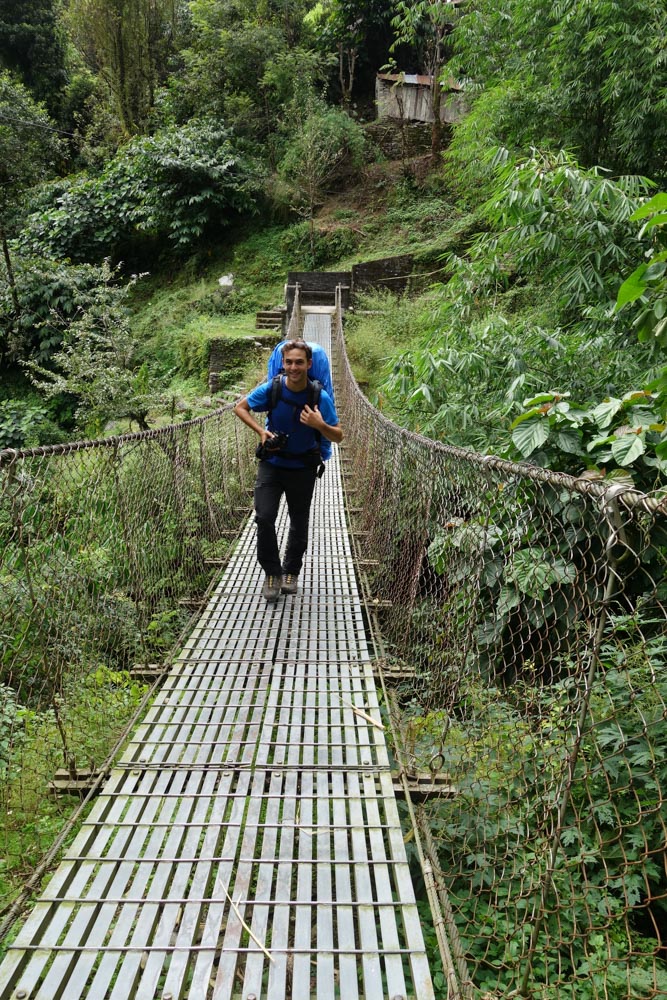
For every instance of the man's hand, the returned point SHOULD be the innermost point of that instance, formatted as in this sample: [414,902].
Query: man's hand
[312,418]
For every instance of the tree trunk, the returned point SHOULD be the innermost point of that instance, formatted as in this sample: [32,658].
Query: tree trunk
[348,56]
[5,338]
[436,101]
[124,103]
[11,281]
[141,417]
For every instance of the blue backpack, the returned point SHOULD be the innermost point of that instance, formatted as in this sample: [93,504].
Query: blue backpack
[320,370]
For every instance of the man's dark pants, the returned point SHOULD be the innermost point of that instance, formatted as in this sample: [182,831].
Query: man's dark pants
[297,485]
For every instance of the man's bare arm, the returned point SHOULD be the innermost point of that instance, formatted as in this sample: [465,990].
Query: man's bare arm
[242,411]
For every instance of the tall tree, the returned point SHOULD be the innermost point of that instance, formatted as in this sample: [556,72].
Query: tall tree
[32,45]
[128,43]
[327,144]
[347,28]
[245,63]
[426,25]
[29,149]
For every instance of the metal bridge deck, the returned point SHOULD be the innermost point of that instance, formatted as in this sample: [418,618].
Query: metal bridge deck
[254,796]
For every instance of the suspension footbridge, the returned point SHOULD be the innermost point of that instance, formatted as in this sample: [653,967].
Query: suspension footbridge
[241,837]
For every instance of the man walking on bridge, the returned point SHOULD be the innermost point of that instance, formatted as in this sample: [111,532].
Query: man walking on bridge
[301,423]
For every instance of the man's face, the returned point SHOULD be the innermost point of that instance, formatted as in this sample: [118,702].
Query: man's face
[296,366]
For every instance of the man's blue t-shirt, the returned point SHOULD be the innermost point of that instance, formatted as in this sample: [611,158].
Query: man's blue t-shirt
[286,416]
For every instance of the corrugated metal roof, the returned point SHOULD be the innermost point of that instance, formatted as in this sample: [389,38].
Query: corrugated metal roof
[413,78]
[416,80]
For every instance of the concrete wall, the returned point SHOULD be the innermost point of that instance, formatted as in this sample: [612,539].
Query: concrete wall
[391,273]
[317,287]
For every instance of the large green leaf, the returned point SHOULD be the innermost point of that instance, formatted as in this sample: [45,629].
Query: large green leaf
[657,220]
[604,412]
[655,269]
[632,288]
[508,599]
[536,570]
[657,203]
[542,397]
[599,442]
[530,434]
[569,441]
[628,448]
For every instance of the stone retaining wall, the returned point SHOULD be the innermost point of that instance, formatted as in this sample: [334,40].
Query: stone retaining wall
[392,273]
[227,356]
[407,139]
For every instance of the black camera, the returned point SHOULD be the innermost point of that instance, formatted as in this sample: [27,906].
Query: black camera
[272,445]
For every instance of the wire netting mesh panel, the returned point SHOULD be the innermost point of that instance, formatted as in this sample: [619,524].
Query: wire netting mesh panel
[105,547]
[525,613]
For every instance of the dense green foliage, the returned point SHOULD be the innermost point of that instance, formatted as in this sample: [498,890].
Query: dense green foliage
[531,307]
[33,46]
[593,876]
[328,146]
[512,340]
[97,364]
[589,77]
[130,44]
[174,186]
[50,295]
[358,31]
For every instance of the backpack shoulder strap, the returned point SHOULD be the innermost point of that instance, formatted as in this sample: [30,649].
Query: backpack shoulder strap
[314,392]
[276,391]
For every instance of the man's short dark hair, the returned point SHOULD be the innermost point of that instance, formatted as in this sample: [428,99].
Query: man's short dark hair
[299,345]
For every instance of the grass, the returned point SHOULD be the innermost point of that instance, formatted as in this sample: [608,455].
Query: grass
[93,718]
[380,327]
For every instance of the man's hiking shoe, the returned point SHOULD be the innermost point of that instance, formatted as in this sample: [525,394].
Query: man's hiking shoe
[289,584]
[271,588]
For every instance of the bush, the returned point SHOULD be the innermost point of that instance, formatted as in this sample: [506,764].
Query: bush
[326,246]
[175,185]
[23,424]
[51,295]
[328,148]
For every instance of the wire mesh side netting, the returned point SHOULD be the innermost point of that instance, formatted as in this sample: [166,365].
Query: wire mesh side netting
[105,548]
[525,612]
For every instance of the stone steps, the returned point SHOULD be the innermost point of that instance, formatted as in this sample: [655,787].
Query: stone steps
[269,319]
